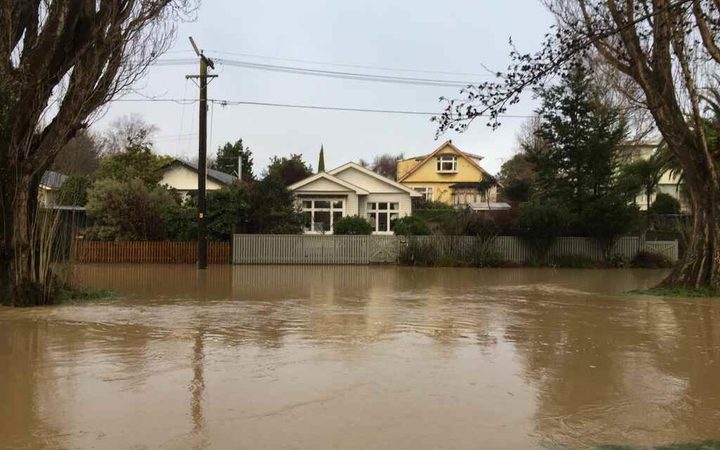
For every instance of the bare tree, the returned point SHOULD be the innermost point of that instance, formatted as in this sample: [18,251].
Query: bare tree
[667,49]
[60,62]
[386,165]
[126,131]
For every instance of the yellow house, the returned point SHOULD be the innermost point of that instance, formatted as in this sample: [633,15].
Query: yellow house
[451,176]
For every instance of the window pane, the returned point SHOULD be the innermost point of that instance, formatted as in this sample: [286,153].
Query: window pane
[322,204]
[307,218]
[322,221]
[371,219]
[382,206]
[393,218]
[371,206]
[338,204]
[337,215]
[394,206]
[307,204]
[383,221]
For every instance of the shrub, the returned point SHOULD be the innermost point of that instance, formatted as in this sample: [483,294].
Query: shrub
[541,223]
[665,204]
[574,261]
[352,225]
[482,254]
[650,260]
[607,218]
[467,222]
[419,253]
[411,226]
[421,203]
[134,210]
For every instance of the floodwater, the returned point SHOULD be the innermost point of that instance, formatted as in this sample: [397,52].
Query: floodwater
[281,357]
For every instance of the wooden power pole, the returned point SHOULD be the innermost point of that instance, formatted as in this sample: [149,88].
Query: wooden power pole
[202,157]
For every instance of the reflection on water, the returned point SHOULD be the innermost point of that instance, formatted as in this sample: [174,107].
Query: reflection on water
[360,357]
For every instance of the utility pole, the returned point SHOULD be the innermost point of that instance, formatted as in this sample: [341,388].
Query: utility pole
[202,157]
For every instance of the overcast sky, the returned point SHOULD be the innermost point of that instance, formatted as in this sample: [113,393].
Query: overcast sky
[460,37]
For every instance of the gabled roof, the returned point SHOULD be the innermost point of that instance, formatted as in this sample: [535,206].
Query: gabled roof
[472,159]
[377,176]
[215,175]
[326,176]
[52,180]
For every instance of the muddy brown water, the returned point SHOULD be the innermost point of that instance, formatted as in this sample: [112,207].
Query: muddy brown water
[360,357]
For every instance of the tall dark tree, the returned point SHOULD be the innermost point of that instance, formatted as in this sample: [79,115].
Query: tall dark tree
[228,157]
[581,136]
[321,160]
[667,50]
[288,170]
[60,61]
[80,156]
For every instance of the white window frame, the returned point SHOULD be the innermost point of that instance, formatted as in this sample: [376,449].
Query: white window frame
[374,208]
[427,192]
[332,209]
[443,161]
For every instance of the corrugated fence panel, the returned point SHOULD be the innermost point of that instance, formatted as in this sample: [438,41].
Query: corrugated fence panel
[164,252]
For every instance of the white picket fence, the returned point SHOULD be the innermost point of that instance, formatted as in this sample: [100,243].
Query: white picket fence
[329,249]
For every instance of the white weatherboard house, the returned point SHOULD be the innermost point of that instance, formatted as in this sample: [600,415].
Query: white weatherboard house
[352,190]
[182,176]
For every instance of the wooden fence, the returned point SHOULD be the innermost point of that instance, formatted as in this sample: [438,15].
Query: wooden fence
[163,252]
[328,249]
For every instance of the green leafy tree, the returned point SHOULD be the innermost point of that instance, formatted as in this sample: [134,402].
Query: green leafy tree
[135,162]
[517,176]
[73,192]
[582,135]
[273,209]
[288,170]
[228,156]
[641,176]
[352,225]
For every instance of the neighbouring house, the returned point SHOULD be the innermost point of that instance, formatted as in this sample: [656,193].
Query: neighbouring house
[670,183]
[352,190]
[182,176]
[450,176]
[50,184]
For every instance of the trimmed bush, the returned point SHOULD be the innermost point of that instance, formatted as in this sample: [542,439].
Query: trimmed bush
[650,260]
[352,225]
[607,218]
[665,204]
[541,223]
[411,226]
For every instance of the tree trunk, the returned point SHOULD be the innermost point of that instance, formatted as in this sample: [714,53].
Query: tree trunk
[22,284]
[699,267]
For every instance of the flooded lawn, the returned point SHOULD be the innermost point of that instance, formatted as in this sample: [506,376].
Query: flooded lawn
[360,357]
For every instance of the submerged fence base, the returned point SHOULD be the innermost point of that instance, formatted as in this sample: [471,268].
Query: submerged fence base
[163,252]
[328,249]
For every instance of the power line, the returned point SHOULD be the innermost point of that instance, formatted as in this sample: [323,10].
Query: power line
[222,102]
[488,72]
[356,66]
[357,76]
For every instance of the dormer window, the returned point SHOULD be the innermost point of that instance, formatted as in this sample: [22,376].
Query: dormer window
[447,163]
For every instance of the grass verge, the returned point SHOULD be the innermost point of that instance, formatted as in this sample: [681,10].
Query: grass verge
[678,292]
[707,445]
[81,294]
